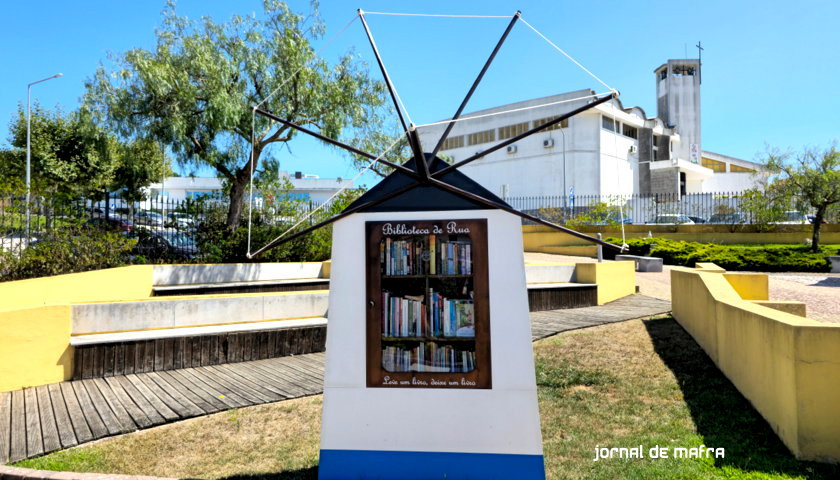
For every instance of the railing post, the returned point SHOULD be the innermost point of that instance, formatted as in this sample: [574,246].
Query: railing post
[600,250]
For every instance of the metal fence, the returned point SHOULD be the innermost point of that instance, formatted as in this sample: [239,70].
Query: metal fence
[718,207]
[172,221]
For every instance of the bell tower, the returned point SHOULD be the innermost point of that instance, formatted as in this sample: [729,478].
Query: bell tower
[678,105]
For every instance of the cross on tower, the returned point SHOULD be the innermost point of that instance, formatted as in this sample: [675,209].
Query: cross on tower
[700,60]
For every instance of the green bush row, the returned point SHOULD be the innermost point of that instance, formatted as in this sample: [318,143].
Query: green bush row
[775,258]
[67,250]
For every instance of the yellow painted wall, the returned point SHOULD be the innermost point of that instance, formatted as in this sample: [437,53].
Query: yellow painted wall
[615,279]
[124,283]
[537,236]
[750,286]
[35,347]
[794,308]
[787,366]
[326,268]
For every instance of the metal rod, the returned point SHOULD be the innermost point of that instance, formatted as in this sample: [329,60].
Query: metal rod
[329,140]
[419,159]
[484,201]
[341,215]
[384,71]
[475,84]
[523,135]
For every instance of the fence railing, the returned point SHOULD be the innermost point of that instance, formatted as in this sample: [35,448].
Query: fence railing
[717,207]
[174,220]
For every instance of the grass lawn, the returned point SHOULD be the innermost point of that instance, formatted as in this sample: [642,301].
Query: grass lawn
[620,385]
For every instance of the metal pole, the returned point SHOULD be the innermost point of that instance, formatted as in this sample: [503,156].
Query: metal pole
[28,154]
[600,250]
[336,142]
[384,72]
[475,84]
[564,169]
[28,148]
[506,208]
[530,132]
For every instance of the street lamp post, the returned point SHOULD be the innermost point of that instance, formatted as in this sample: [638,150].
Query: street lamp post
[28,151]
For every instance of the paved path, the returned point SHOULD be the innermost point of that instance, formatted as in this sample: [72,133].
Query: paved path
[819,291]
[39,420]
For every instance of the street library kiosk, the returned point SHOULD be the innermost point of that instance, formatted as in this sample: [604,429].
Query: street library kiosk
[430,368]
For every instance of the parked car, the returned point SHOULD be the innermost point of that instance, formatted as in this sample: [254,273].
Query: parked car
[812,219]
[727,219]
[165,244]
[146,217]
[697,219]
[179,220]
[793,218]
[111,222]
[614,218]
[671,220]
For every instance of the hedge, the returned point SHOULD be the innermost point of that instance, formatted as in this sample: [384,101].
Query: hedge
[771,258]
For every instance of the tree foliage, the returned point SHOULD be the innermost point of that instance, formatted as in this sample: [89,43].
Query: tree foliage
[812,177]
[195,91]
[72,156]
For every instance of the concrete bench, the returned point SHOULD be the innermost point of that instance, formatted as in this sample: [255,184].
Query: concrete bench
[643,264]
[835,263]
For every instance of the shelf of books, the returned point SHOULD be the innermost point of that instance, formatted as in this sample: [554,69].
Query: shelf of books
[427,320]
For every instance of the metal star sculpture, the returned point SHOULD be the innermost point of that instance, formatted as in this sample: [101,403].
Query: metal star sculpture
[421,175]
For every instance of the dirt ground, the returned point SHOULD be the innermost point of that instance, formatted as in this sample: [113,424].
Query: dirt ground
[819,291]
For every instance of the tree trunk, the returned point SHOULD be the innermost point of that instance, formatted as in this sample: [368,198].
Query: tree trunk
[818,219]
[237,194]
[237,190]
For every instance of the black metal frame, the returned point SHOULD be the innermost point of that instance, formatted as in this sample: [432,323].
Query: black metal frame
[422,175]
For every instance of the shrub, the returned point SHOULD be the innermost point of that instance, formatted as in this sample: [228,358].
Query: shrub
[793,258]
[70,249]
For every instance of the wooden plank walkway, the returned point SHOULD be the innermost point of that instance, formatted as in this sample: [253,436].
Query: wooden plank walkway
[43,419]
[39,420]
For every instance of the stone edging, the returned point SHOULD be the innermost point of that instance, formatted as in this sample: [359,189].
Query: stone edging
[15,473]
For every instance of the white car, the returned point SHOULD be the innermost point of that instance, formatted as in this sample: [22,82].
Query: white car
[149,218]
[671,220]
[793,218]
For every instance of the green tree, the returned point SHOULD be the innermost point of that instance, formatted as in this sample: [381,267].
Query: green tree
[141,162]
[812,176]
[195,91]
[70,155]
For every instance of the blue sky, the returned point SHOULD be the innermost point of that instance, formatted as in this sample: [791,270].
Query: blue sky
[770,68]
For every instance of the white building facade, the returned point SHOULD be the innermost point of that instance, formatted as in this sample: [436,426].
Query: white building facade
[606,150]
[304,187]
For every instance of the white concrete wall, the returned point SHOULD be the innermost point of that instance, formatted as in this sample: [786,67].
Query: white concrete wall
[535,273]
[504,419]
[732,182]
[167,312]
[233,272]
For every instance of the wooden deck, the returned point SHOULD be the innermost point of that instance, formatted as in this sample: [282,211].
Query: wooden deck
[52,417]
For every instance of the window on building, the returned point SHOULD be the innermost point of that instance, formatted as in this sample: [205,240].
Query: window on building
[608,123]
[512,130]
[714,165]
[562,124]
[663,74]
[630,131]
[453,142]
[738,168]
[481,137]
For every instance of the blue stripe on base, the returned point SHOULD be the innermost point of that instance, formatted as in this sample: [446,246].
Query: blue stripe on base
[382,465]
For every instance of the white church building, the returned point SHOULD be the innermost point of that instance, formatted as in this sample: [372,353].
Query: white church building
[606,150]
